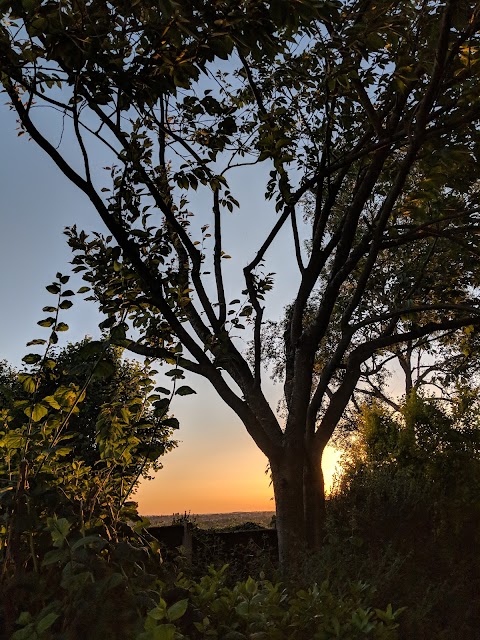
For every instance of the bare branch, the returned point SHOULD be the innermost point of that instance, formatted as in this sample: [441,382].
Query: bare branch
[298,252]
[372,114]
[217,260]
[366,350]
[405,311]
[377,394]
[255,90]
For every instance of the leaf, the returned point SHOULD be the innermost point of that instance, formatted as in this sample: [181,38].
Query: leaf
[104,369]
[246,311]
[37,412]
[113,581]
[164,632]
[118,333]
[52,402]
[107,323]
[59,529]
[242,608]
[172,423]
[28,382]
[175,373]
[13,441]
[66,304]
[177,610]
[83,290]
[53,288]
[184,391]
[251,586]
[95,540]
[27,633]
[65,396]
[54,556]
[36,341]
[61,326]
[161,407]
[46,322]
[162,390]
[46,622]
[158,613]
[236,635]
[92,348]
[24,618]
[63,451]
[31,358]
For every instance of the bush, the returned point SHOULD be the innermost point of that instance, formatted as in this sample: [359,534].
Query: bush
[261,610]
[414,539]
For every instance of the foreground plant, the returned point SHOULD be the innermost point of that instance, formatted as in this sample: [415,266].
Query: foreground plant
[263,610]
[66,484]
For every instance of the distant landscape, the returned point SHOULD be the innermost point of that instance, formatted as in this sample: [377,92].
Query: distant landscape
[216,520]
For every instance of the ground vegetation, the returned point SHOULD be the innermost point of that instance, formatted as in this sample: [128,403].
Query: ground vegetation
[364,118]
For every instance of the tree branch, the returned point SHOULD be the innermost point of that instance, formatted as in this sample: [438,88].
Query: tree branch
[217,260]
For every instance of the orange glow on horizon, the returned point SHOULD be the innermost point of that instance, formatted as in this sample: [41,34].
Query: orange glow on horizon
[234,480]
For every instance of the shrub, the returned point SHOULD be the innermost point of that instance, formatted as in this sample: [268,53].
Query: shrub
[261,610]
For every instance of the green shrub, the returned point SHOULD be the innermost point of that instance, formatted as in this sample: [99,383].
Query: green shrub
[412,537]
[261,610]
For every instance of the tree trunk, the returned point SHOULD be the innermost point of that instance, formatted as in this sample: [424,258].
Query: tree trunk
[287,478]
[314,499]
[299,489]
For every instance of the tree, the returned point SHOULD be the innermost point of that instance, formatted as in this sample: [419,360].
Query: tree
[121,430]
[366,113]
[96,425]
[436,365]
[118,386]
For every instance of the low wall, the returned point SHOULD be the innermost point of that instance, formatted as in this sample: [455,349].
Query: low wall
[195,541]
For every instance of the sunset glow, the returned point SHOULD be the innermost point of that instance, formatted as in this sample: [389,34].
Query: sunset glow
[230,481]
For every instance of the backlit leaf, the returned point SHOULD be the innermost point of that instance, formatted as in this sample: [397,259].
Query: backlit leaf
[28,382]
[53,288]
[31,358]
[46,322]
[37,412]
[184,391]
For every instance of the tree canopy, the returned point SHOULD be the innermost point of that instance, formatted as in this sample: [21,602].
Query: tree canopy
[366,116]
[115,422]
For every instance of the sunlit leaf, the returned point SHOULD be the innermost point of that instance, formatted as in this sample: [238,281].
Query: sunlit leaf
[37,412]
[29,383]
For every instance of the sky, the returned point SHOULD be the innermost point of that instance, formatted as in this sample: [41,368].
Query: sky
[216,467]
